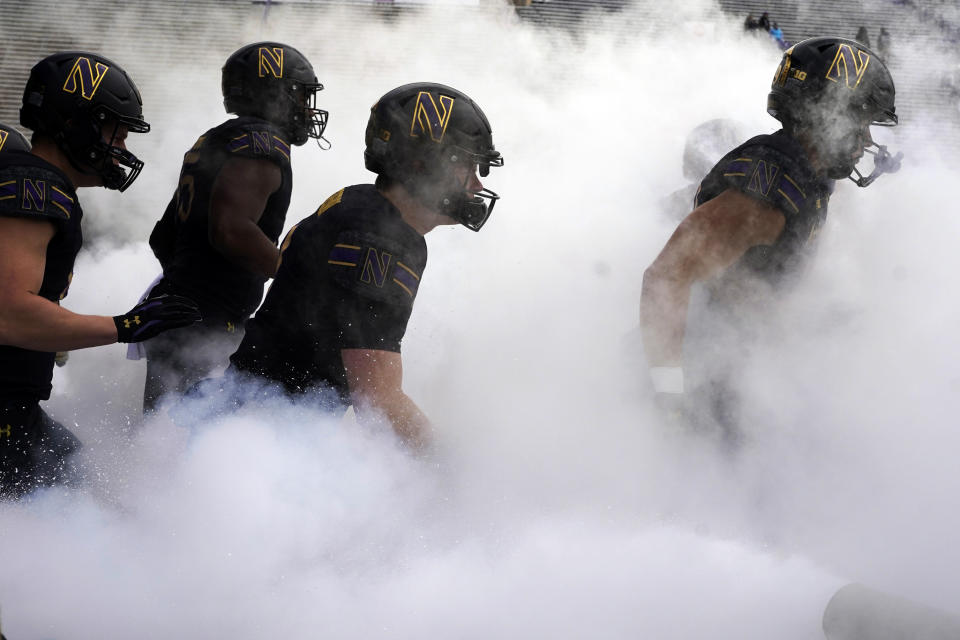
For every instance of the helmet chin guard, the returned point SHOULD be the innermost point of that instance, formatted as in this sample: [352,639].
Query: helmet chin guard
[883,162]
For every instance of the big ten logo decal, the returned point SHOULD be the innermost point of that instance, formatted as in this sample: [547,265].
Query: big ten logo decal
[431,118]
[185,193]
[34,195]
[85,77]
[271,62]
[780,77]
[849,62]
[799,75]
[763,177]
[375,266]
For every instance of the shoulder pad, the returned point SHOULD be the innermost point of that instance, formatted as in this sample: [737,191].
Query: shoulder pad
[769,173]
[375,266]
[35,192]
[257,139]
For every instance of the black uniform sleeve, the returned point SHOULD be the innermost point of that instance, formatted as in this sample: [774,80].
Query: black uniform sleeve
[33,192]
[377,284]
[769,175]
[257,140]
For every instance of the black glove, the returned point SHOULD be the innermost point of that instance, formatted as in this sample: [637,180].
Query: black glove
[154,316]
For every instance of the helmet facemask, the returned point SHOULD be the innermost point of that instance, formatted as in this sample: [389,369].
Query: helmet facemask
[839,133]
[306,119]
[91,151]
[451,195]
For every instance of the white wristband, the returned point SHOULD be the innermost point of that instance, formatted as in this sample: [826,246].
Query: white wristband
[667,379]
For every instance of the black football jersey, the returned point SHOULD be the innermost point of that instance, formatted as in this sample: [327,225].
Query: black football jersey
[34,189]
[348,278]
[774,169]
[180,240]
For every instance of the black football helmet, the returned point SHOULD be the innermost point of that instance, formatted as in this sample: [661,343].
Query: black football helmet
[417,134]
[81,100]
[829,91]
[275,82]
[12,140]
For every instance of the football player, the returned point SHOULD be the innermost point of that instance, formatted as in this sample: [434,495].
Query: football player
[80,107]
[217,239]
[333,321]
[758,211]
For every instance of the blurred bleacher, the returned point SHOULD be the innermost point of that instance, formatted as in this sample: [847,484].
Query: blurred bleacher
[924,38]
[923,59]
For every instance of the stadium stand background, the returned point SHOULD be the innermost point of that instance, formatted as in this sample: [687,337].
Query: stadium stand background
[924,34]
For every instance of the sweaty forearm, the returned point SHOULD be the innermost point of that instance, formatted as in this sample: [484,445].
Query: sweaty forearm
[663,318]
[406,418]
[245,245]
[33,322]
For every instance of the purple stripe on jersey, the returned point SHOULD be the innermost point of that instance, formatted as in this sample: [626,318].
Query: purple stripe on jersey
[62,200]
[238,143]
[791,191]
[282,146]
[406,278]
[345,254]
[8,190]
[738,166]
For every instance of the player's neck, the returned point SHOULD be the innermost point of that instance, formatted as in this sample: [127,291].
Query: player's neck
[47,150]
[421,218]
[813,155]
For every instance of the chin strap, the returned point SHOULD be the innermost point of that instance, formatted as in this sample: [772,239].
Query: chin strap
[883,162]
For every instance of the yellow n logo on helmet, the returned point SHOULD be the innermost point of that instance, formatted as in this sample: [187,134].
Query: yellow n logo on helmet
[85,77]
[850,63]
[3,138]
[271,62]
[429,118]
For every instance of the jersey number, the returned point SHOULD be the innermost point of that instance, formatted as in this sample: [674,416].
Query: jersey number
[185,197]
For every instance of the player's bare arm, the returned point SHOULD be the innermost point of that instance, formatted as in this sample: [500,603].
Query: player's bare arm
[28,320]
[375,379]
[714,236]
[240,195]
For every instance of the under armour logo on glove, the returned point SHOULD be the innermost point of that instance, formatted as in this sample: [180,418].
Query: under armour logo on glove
[154,316]
[6,431]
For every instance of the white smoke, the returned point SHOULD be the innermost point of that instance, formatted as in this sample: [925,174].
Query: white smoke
[557,505]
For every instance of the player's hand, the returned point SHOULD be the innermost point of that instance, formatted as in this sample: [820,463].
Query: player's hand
[154,316]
